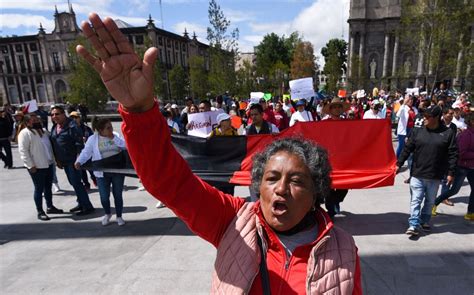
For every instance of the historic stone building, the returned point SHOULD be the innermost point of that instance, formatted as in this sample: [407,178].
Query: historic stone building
[377,56]
[37,66]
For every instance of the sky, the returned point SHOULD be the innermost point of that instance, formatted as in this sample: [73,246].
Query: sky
[316,20]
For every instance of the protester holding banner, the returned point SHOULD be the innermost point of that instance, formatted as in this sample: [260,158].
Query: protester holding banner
[37,156]
[335,109]
[86,132]
[105,143]
[224,127]
[286,230]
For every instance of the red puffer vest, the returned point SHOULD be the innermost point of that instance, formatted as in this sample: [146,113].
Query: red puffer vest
[331,264]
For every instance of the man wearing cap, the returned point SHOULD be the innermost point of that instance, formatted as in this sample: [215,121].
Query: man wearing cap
[67,140]
[301,114]
[224,126]
[434,155]
[374,112]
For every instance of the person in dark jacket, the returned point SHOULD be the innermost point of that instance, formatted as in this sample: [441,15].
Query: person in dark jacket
[6,128]
[434,156]
[67,140]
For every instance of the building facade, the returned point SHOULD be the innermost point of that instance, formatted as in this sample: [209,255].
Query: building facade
[37,66]
[377,56]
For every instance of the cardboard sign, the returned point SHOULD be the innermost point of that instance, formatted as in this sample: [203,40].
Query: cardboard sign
[201,124]
[341,93]
[302,88]
[413,91]
[256,95]
[30,106]
[267,96]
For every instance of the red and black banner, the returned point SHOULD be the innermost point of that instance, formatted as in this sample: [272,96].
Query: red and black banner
[360,152]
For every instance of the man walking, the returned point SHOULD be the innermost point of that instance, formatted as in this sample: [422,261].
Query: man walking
[434,155]
[6,128]
[68,142]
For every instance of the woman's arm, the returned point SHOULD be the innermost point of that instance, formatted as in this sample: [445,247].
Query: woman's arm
[24,143]
[87,151]
[167,176]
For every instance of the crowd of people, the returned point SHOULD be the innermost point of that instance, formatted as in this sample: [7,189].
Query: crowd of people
[70,134]
[282,239]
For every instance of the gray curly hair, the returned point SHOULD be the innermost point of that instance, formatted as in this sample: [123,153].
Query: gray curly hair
[313,155]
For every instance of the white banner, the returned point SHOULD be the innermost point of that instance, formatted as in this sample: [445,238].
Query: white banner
[302,88]
[30,106]
[201,124]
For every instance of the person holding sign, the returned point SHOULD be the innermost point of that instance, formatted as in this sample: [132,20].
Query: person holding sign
[301,114]
[224,127]
[284,242]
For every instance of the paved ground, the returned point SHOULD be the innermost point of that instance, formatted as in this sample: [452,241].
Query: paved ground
[156,253]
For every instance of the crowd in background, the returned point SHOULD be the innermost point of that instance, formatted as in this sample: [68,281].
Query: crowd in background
[70,142]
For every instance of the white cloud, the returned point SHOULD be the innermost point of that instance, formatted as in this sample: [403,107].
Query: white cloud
[200,30]
[318,23]
[29,21]
[237,16]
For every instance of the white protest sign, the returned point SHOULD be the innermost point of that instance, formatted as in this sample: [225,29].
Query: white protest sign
[256,95]
[201,124]
[413,91]
[302,88]
[30,106]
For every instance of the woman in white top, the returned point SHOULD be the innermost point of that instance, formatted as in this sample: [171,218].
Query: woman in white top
[37,155]
[301,115]
[105,143]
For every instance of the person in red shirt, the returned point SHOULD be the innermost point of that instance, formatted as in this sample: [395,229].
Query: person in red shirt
[284,243]
[282,120]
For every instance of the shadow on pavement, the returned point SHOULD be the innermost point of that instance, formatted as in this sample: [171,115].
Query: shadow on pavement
[418,273]
[76,230]
[395,223]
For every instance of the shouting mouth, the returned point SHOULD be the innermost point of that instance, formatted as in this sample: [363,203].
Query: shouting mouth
[279,208]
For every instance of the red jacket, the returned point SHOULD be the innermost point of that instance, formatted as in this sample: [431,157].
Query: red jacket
[206,210]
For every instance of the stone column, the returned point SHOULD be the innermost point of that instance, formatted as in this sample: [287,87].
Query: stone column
[385,55]
[395,55]
[361,53]
[351,55]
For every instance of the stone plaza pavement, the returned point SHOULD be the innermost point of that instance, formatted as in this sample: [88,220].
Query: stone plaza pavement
[155,253]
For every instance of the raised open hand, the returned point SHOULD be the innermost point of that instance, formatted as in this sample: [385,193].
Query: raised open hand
[128,79]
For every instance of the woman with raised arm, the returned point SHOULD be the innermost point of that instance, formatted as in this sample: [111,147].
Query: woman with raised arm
[282,244]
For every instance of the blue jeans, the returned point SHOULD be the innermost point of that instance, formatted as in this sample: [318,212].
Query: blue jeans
[42,181]
[104,183]
[422,189]
[401,142]
[446,191]
[74,177]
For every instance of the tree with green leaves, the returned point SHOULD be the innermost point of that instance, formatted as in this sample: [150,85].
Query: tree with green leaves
[335,58]
[223,48]
[245,80]
[439,32]
[303,62]
[178,82]
[272,53]
[198,76]
[86,85]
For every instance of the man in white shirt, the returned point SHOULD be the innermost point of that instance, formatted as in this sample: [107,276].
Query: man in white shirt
[301,115]
[374,112]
